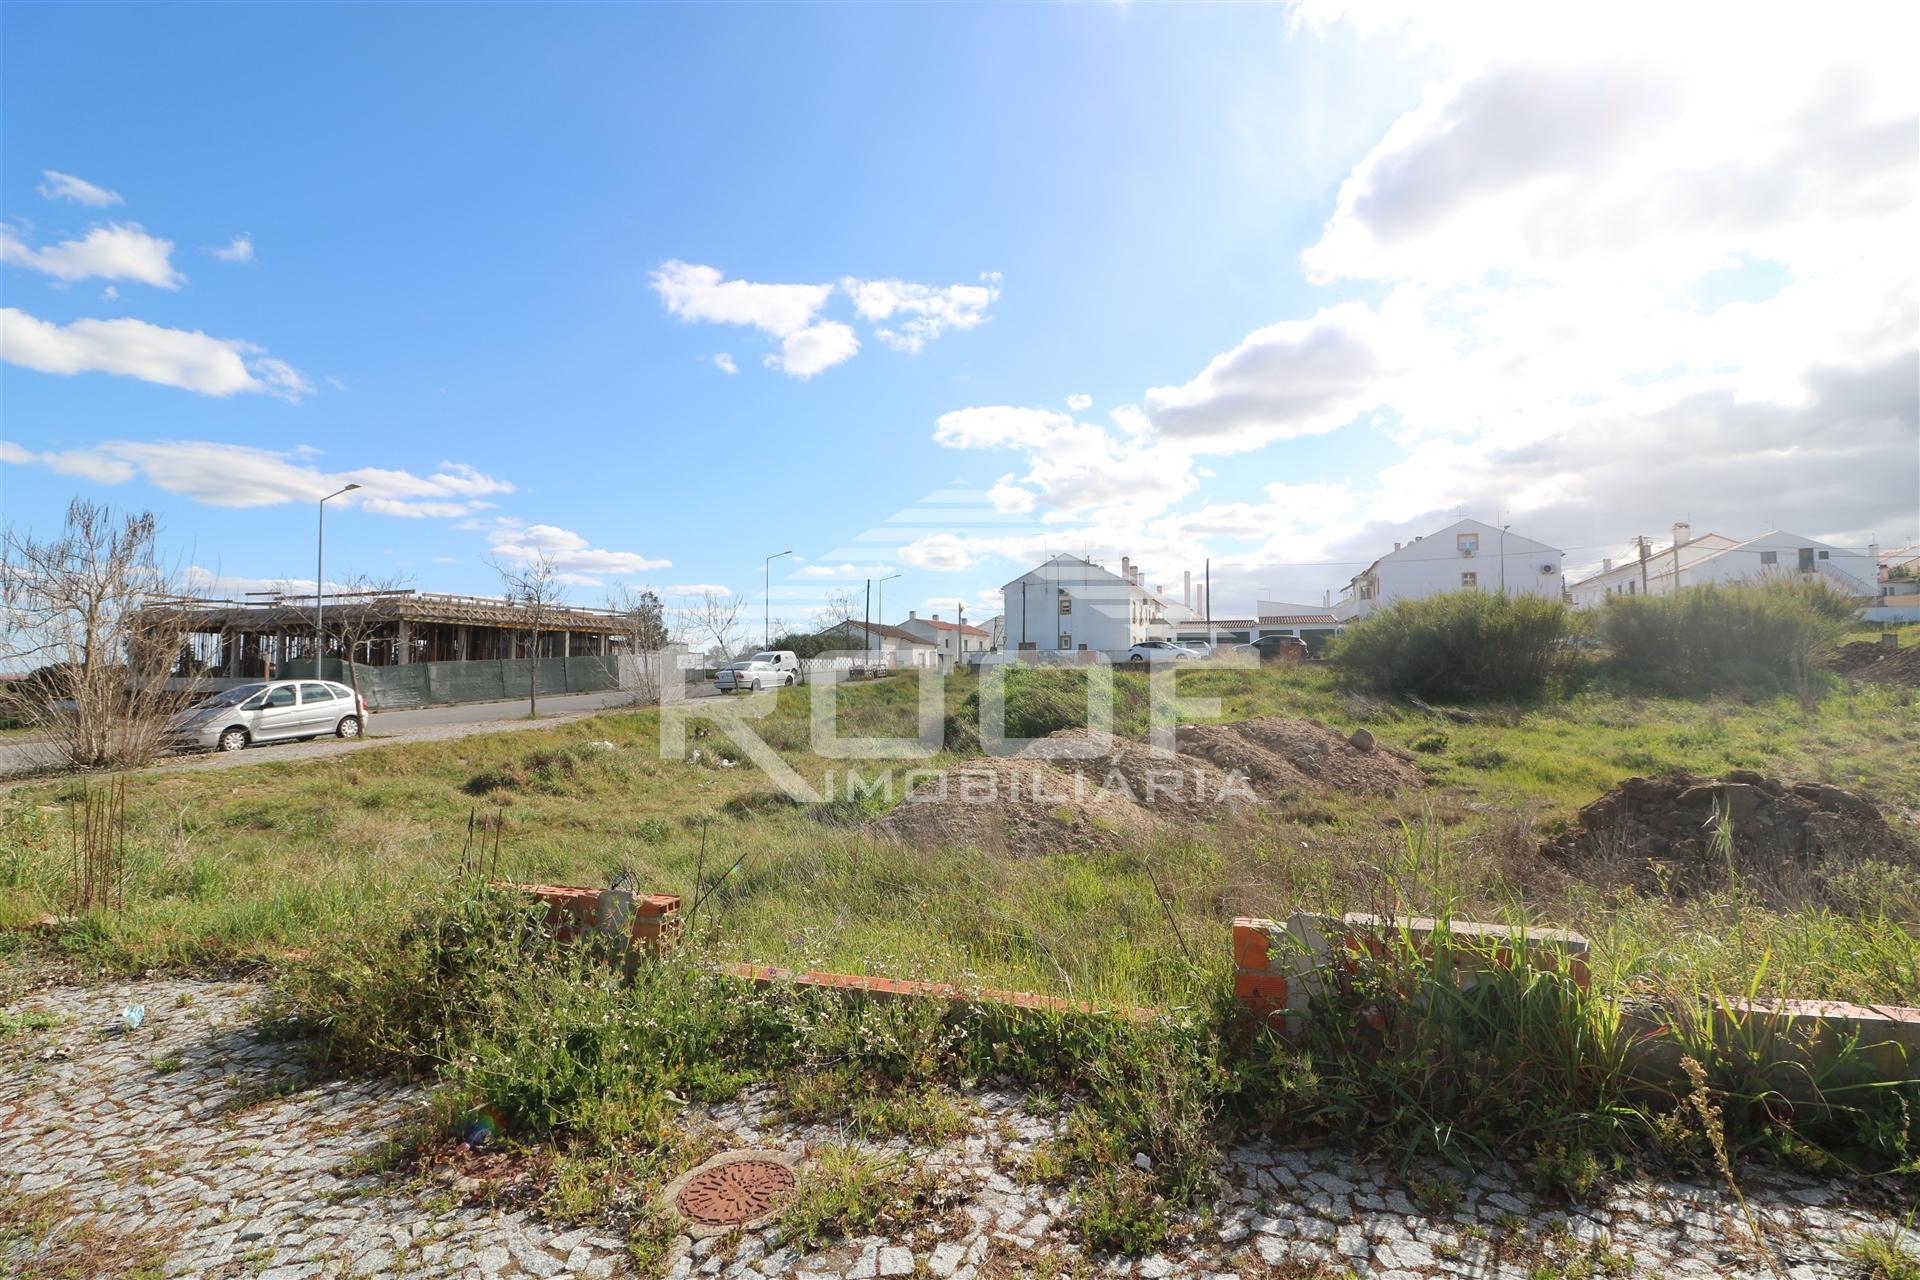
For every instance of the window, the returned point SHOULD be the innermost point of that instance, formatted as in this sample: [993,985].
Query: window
[1066,640]
[1469,543]
[315,693]
[1066,603]
[1825,555]
[1470,580]
[280,697]
[1806,559]
[1769,557]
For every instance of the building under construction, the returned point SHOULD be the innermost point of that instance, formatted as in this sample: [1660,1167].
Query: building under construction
[258,638]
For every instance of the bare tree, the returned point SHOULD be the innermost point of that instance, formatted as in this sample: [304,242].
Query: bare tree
[354,617]
[714,623]
[837,609]
[644,630]
[533,587]
[101,626]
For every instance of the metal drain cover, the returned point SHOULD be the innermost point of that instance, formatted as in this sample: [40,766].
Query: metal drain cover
[725,1195]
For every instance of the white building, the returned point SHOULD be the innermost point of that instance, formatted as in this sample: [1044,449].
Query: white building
[1073,604]
[889,645]
[1771,555]
[954,641]
[1466,555]
[1622,576]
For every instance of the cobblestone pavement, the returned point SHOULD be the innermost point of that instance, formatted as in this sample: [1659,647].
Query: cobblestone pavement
[194,1147]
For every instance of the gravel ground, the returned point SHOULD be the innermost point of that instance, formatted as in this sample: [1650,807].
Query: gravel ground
[194,1147]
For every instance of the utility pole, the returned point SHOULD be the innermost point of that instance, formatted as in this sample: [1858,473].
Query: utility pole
[1209,601]
[959,633]
[867,629]
[1642,540]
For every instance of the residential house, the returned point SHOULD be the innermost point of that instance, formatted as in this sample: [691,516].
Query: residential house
[1776,554]
[1624,575]
[955,641]
[1466,555]
[890,646]
[1070,603]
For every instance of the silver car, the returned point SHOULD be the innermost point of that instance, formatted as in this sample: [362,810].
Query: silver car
[271,711]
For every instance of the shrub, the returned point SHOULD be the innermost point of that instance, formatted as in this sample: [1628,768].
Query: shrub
[1461,646]
[1767,635]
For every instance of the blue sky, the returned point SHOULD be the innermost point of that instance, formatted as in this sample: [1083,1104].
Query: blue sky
[1321,284]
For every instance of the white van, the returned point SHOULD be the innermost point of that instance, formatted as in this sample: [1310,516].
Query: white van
[768,669]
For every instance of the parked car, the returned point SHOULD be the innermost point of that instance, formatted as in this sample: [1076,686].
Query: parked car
[768,669]
[1162,651]
[1274,649]
[271,711]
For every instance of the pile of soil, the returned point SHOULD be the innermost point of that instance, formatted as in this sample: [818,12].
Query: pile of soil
[1777,825]
[1093,797]
[1016,806]
[1277,755]
[1865,660]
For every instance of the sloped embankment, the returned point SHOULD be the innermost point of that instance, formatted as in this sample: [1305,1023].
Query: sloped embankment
[1074,793]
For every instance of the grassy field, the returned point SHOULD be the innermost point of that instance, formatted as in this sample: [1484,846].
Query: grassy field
[239,867]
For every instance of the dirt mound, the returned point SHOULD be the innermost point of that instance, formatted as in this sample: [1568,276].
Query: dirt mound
[1671,822]
[1098,793]
[1167,786]
[1018,806]
[1276,754]
[1865,660]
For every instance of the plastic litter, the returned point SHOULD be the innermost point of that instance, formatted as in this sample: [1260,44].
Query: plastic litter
[132,1016]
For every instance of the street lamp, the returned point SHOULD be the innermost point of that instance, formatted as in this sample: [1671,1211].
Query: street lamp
[320,586]
[882,584]
[766,599]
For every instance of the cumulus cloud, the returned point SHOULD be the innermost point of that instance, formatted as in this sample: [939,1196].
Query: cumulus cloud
[724,363]
[239,249]
[577,560]
[230,475]
[1300,377]
[702,294]
[118,251]
[64,186]
[815,348]
[925,311]
[182,358]
[1079,403]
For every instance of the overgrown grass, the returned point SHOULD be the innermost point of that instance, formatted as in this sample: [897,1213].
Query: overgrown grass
[1460,646]
[1768,635]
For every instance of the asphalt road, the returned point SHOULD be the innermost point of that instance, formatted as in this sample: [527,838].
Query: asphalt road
[422,724]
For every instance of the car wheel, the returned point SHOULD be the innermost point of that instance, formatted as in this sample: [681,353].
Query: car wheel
[349,727]
[756,686]
[789,680]
[233,739]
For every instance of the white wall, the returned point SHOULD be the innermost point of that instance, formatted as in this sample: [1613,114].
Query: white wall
[1850,571]
[1435,564]
[1106,614]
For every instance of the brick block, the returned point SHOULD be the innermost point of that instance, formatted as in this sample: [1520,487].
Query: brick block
[1250,943]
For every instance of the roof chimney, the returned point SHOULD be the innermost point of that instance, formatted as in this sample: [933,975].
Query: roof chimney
[936,617]
[1606,566]
[1126,567]
[912,616]
[1682,532]
[1396,546]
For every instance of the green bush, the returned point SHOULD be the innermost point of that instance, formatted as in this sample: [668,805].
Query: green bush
[1044,700]
[1459,647]
[1766,636]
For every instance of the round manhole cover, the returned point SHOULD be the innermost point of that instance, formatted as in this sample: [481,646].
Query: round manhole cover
[735,1192]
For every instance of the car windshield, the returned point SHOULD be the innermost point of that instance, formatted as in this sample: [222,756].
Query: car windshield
[233,696]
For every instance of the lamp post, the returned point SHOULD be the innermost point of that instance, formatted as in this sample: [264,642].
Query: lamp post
[320,586]
[883,603]
[766,598]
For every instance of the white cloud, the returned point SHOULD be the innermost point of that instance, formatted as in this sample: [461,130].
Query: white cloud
[231,475]
[239,249]
[118,251]
[724,363]
[939,552]
[131,348]
[446,559]
[702,294]
[926,311]
[1079,403]
[64,186]
[696,589]
[578,561]
[845,572]
[1300,377]
[809,351]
